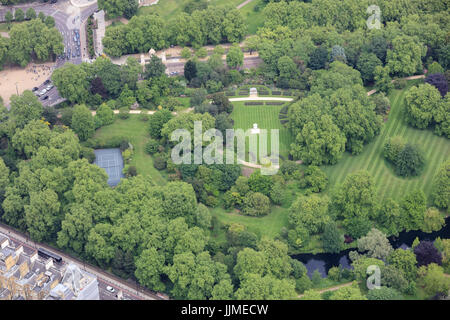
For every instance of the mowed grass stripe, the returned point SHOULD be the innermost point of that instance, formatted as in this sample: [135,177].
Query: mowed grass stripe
[436,149]
[434,163]
[379,141]
[267,118]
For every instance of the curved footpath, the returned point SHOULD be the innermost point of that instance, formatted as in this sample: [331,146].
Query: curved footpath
[245,163]
[243,4]
[332,288]
[420,76]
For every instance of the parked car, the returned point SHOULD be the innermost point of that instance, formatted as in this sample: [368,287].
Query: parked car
[43,92]
[45,98]
[110,289]
[47,81]
[35,88]
[49,87]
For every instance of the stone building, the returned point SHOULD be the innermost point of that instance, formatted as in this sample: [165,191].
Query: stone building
[24,275]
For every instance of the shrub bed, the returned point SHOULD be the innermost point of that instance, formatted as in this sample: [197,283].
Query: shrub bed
[90,36]
[101,143]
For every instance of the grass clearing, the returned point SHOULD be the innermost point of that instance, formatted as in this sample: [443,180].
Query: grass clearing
[436,150]
[184,103]
[254,19]
[266,116]
[4,26]
[136,131]
[170,8]
[269,225]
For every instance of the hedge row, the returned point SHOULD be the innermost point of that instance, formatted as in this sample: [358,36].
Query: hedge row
[90,37]
[254,103]
[105,143]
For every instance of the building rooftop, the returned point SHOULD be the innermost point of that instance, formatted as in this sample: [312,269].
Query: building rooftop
[24,275]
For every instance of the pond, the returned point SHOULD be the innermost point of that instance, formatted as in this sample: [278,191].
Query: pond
[324,261]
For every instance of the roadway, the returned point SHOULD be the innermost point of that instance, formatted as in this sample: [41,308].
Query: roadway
[67,19]
[130,292]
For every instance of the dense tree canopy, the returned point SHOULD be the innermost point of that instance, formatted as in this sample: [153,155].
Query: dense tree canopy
[440,194]
[355,201]
[421,104]
[405,58]
[33,39]
[310,212]
[209,26]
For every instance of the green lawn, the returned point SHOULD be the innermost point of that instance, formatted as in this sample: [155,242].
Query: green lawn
[436,149]
[169,8]
[184,103]
[269,225]
[165,8]
[253,18]
[267,118]
[135,130]
[4,26]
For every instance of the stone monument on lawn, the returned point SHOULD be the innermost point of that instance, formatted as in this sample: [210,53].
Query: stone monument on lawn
[255,129]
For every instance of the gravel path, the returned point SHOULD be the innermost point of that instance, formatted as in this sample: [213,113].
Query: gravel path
[243,4]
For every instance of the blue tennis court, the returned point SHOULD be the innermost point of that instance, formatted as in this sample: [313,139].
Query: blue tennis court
[111,160]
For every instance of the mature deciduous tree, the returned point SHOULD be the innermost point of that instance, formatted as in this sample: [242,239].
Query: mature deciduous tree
[433,280]
[256,204]
[33,136]
[333,238]
[413,207]
[440,193]
[83,122]
[405,261]
[427,253]
[405,58]
[72,83]
[310,212]
[433,221]
[235,56]
[376,244]
[24,108]
[420,105]
[355,201]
